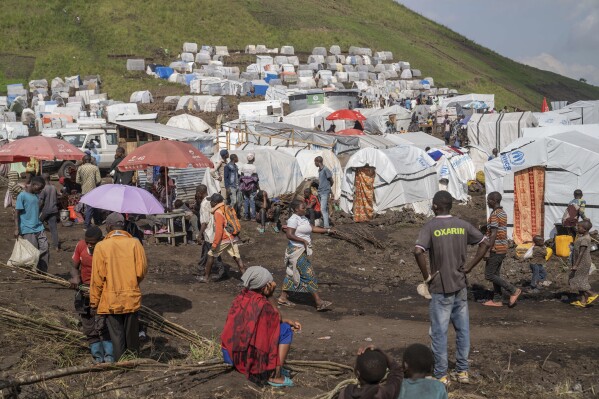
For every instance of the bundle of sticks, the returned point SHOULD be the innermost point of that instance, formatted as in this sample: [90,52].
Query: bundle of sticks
[147,315]
[42,328]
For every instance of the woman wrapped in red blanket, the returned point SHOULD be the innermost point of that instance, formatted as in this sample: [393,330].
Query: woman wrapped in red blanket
[256,339]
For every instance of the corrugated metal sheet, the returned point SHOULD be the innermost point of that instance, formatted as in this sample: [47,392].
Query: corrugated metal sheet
[186,181]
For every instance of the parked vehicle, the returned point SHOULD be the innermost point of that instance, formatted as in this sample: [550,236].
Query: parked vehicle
[101,141]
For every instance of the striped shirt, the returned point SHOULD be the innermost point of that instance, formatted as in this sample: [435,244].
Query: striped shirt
[498,220]
[88,176]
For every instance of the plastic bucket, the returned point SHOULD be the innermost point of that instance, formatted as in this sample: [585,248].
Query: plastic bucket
[64,215]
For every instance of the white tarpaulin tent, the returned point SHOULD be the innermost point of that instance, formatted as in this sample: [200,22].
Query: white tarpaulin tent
[489,131]
[588,111]
[563,116]
[571,161]
[309,118]
[189,122]
[405,177]
[457,168]
[417,139]
[535,132]
[488,99]
[144,97]
[279,173]
[305,159]
[376,119]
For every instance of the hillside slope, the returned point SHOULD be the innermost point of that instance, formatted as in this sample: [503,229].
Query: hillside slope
[43,39]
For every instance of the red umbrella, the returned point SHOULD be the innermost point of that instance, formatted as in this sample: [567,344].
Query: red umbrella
[350,132]
[41,148]
[346,114]
[169,153]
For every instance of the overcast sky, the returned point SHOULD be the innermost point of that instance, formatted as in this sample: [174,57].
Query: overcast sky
[557,35]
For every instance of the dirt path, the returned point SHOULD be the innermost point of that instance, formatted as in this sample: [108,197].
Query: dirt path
[375,302]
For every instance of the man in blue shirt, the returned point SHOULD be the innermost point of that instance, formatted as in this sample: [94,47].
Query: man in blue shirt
[232,181]
[27,220]
[325,182]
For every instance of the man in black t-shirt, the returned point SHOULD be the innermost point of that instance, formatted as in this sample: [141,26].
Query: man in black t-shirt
[446,238]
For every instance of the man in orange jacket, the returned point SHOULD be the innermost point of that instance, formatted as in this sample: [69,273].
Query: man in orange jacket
[119,265]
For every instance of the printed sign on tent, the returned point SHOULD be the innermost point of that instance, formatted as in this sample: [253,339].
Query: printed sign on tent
[314,99]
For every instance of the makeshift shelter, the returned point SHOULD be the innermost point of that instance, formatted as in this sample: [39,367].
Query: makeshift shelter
[279,173]
[565,116]
[309,118]
[490,131]
[386,120]
[305,159]
[537,176]
[143,97]
[457,167]
[189,122]
[417,139]
[588,111]
[405,177]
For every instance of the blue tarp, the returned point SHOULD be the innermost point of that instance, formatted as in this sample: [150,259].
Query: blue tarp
[164,72]
[260,89]
[270,76]
[436,155]
[189,77]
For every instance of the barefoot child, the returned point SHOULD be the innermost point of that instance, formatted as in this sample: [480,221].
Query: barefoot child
[418,364]
[371,367]
[537,264]
[579,278]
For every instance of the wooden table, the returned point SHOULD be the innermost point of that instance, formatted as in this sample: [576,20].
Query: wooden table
[171,235]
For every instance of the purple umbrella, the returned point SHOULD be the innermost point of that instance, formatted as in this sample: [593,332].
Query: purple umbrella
[123,199]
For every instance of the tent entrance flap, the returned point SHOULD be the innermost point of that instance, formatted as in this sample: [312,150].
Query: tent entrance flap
[529,209]
[364,194]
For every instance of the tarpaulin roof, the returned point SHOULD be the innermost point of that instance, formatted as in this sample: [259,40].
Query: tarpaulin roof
[167,132]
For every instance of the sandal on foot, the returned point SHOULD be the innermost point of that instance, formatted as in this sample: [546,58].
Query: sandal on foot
[324,305]
[493,304]
[285,303]
[287,383]
[592,299]
[514,298]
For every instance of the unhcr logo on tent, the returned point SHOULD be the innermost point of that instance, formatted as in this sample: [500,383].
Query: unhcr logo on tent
[515,158]
[506,163]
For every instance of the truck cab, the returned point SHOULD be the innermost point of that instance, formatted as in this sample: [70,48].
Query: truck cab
[102,141]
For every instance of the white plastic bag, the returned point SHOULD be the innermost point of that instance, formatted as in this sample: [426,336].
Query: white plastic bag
[8,199]
[528,253]
[24,254]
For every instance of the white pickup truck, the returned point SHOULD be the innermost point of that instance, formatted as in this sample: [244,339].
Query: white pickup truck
[101,141]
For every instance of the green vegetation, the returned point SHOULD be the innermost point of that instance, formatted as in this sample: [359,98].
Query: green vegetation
[43,39]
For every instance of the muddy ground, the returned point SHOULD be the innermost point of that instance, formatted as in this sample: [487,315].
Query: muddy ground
[542,348]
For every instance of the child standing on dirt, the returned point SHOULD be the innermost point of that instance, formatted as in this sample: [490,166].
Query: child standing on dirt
[418,365]
[579,277]
[537,265]
[371,367]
